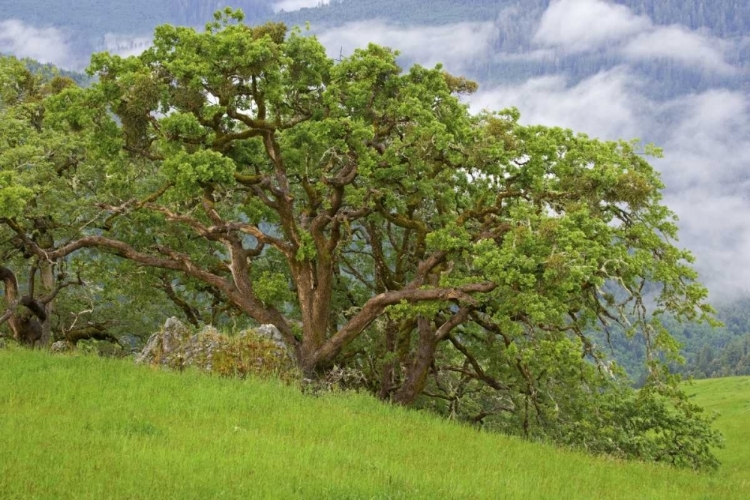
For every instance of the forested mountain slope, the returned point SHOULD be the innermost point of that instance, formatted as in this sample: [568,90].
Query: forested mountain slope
[708,352]
[723,18]
[85,24]
[135,16]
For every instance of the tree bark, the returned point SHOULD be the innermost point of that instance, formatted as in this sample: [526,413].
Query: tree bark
[429,338]
[47,277]
[416,374]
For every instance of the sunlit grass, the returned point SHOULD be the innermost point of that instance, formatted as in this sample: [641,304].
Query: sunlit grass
[731,398]
[85,427]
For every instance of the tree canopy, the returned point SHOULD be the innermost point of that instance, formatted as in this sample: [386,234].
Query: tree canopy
[453,260]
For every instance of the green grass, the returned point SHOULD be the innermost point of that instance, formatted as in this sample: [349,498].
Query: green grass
[731,398]
[84,427]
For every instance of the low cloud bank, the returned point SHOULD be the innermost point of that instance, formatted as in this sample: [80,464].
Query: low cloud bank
[573,26]
[582,25]
[454,45]
[47,45]
[604,105]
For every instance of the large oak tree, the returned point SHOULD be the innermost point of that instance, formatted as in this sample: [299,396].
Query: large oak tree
[372,219]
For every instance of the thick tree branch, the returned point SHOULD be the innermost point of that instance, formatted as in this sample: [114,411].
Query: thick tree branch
[376,305]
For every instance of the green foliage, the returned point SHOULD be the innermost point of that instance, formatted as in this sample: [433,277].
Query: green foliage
[48,181]
[563,398]
[13,198]
[189,172]
[648,427]
[306,250]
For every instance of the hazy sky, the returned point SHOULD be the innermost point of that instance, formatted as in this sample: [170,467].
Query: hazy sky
[704,135]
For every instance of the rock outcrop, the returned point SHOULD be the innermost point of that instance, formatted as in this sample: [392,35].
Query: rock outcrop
[62,346]
[260,352]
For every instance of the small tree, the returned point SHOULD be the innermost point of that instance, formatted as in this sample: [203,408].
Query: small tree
[47,185]
[32,158]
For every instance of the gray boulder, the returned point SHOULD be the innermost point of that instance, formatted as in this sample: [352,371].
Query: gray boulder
[61,346]
[273,334]
[258,352]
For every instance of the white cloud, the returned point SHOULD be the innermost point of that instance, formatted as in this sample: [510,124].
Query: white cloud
[604,105]
[571,26]
[714,226]
[455,45]
[707,171]
[542,55]
[290,5]
[47,45]
[679,44]
[580,25]
[711,125]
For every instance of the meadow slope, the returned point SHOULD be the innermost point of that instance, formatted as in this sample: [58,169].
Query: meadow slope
[85,427]
[731,398]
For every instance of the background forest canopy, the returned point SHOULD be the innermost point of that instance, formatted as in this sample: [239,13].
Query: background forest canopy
[241,176]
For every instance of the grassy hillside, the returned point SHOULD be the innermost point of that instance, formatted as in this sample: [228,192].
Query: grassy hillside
[731,398]
[82,427]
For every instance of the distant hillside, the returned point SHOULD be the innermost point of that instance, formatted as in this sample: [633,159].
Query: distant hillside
[135,16]
[725,18]
[49,70]
[404,12]
[708,352]
[86,22]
